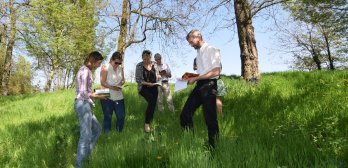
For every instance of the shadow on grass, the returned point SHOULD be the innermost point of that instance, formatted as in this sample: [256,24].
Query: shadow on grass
[263,112]
[48,143]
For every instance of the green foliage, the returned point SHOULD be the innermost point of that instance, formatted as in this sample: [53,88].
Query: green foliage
[325,33]
[22,76]
[289,119]
[58,34]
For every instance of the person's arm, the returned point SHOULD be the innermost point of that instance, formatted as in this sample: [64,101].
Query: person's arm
[82,83]
[83,86]
[139,75]
[213,73]
[169,72]
[158,76]
[122,73]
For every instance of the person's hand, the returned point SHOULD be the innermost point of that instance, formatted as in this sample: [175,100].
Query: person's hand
[117,88]
[192,80]
[94,96]
[102,97]
[163,73]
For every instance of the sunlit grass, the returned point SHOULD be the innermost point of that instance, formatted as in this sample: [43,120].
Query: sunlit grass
[289,119]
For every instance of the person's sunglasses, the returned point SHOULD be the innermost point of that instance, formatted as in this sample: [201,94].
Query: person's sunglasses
[118,63]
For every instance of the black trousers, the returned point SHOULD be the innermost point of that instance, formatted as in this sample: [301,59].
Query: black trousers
[203,94]
[150,94]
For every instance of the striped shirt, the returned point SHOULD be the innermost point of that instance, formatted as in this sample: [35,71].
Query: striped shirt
[84,80]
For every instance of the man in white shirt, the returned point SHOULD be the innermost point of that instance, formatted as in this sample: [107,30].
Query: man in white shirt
[204,93]
[165,73]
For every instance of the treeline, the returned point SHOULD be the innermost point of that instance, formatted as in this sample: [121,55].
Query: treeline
[56,35]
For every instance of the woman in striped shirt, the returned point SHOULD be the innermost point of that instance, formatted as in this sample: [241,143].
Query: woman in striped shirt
[89,126]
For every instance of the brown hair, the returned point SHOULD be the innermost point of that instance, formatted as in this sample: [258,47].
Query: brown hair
[146,53]
[194,33]
[116,55]
[93,57]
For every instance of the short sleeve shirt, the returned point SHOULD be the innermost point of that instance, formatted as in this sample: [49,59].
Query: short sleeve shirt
[208,58]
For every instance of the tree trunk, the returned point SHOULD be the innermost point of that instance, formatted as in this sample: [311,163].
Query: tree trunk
[123,28]
[315,53]
[247,42]
[2,49]
[332,67]
[8,57]
[49,80]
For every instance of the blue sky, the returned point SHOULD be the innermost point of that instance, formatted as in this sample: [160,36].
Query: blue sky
[269,59]
[181,61]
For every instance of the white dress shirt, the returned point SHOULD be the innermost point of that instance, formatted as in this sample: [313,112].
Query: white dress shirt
[165,67]
[208,58]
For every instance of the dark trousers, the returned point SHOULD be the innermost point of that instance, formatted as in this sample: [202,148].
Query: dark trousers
[150,94]
[203,94]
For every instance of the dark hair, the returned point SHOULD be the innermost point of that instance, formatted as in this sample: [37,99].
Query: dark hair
[116,55]
[146,52]
[93,57]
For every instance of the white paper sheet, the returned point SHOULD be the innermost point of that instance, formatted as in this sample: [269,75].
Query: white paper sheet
[180,85]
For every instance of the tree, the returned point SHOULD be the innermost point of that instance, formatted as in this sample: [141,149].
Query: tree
[21,79]
[58,34]
[146,20]
[328,23]
[247,42]
[8,41]
[245,11]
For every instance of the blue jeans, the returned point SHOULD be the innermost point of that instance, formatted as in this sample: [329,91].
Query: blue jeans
[89,130]
[109,106]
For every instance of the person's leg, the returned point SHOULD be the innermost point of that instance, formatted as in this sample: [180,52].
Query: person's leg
[120,114]
[152,103]
[150,95]
[83,110]
[107,107]
[191,104]
[208,97]
[168,95]
[95,131]
[160,99]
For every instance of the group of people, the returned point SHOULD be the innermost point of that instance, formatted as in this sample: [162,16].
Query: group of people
[152,79]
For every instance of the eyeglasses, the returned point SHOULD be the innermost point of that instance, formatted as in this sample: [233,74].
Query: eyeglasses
[118,63]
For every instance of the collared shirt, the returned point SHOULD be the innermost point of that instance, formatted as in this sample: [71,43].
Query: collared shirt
[114,78]
[208,58]
[139,73]
[84,80]
[165,67]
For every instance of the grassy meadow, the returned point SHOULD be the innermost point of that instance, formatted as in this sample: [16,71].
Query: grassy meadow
[287,120]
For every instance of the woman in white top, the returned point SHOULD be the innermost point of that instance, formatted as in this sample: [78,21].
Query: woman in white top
[112,77]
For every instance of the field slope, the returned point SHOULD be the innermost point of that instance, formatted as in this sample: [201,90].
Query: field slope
[289,119]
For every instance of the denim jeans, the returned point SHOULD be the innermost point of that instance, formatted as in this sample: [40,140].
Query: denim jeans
[89,130]
[109,106]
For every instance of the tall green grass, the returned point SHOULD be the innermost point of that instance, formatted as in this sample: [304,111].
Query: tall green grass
[289,119]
